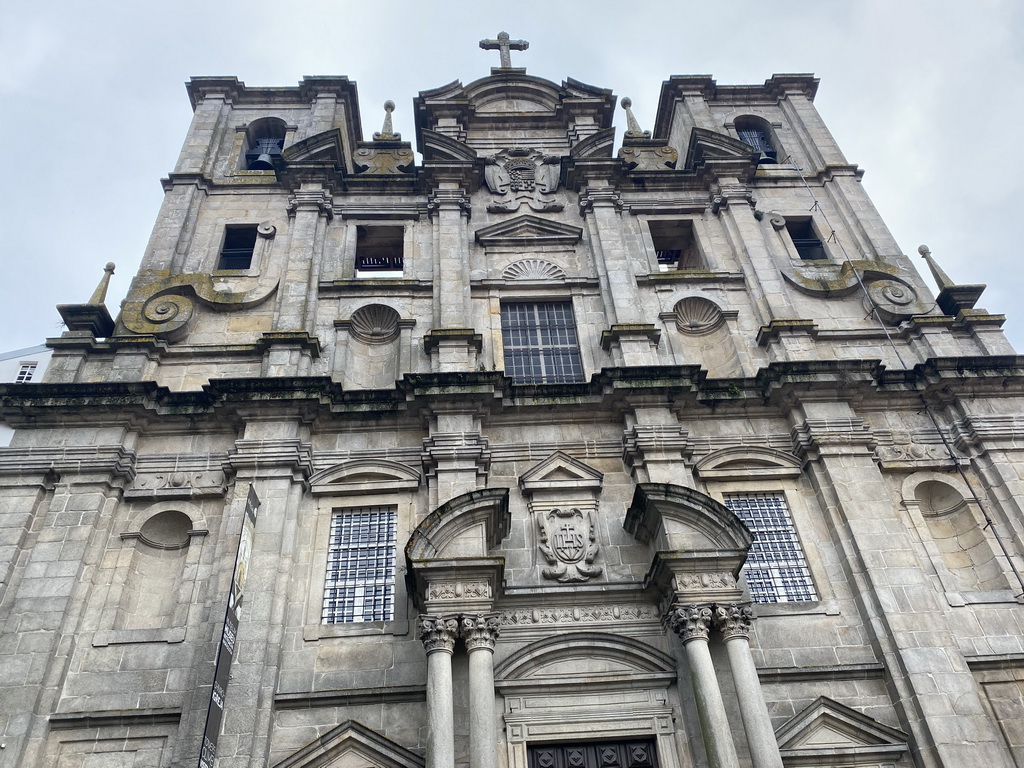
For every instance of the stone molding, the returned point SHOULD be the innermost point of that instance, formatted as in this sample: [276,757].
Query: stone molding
[437,633]
[599,198]
[449,200]
[479,630]
[288,454]
[578,614]
[318,200]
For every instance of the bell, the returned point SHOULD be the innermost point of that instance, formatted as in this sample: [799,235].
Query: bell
[262,163]
[766,157]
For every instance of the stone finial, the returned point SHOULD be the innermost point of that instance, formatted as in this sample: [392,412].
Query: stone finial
[503,45]
[952,299]
[941,278]
[100,294]
[387,131]
[632,126]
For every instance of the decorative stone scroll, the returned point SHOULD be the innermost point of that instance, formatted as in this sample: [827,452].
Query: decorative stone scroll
[521,175]
[568,541]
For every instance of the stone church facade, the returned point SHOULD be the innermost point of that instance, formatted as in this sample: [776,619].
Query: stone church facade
[568,454]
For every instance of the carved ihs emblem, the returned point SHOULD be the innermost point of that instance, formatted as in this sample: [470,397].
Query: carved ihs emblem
[569,544]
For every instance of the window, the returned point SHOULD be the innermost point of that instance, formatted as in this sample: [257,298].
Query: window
[360,583]
[239,245]
[753,132]
[674,244]
[805,240]
[776,570]
[540,343]
[26,372]
[379,251]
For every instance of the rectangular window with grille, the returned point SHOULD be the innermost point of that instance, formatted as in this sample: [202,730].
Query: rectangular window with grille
[540,342]
[776,570]
[25,373]
[360,583]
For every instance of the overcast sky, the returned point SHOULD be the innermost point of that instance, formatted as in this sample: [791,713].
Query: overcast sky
[926,95]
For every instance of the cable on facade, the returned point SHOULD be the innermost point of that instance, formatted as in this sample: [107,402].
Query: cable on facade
[874,310]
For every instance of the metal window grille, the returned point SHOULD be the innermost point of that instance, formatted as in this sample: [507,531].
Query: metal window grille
[776,570]
[540,343]
[360,583]
[25,373]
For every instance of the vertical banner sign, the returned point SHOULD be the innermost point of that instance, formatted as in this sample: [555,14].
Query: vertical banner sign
[226,650]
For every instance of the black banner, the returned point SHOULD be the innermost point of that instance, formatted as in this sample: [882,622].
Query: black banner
[229,635]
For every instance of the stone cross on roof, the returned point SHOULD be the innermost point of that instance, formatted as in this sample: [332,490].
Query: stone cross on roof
[504,45]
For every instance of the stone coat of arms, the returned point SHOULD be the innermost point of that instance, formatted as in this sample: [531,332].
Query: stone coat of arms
[569,544]
[522,175]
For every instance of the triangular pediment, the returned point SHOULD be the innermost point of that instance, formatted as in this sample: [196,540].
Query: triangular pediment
[827,733]
[528,230]
[352,745]
[560,471]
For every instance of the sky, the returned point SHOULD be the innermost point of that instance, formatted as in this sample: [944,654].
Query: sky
[927,96]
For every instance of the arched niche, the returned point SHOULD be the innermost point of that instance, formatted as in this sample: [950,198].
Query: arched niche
[364,476]
[154,591]
[956,538]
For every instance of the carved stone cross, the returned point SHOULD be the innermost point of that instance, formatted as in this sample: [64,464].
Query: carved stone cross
[504,45]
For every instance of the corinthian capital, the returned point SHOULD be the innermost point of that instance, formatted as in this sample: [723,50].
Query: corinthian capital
[690,622]
[479,630]
[438,633]
[734,620]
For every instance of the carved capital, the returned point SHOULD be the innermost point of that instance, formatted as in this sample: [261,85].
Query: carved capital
[479,630]
[690,622]
[437,633]
[734,620]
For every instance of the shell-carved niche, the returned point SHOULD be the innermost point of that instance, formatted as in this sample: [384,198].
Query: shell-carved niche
[695,315]
[375,324]
[533,269]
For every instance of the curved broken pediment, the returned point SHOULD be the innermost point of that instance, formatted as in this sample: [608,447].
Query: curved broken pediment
[675,518]
[469,525]
[319,148]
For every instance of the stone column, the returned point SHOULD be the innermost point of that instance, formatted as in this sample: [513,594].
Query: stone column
[734,622]
[479,632]
[438,636]
[692,623]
